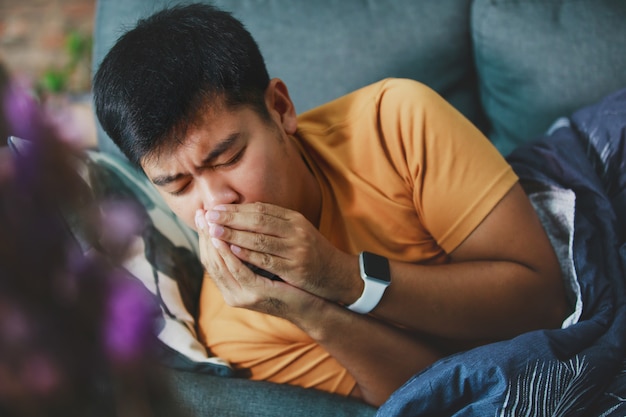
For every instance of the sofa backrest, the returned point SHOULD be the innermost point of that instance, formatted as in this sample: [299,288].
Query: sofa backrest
[511,66]
[541,60]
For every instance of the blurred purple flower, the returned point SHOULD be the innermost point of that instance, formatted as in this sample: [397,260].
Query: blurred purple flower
[22,110]
[129,320]
[121,222]
[69,320]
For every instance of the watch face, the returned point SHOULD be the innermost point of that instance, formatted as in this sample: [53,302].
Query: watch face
[376,267]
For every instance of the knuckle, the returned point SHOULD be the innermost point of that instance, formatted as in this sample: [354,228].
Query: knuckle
[266,260]
[295,216]
[261,241]
[258,219]
[226,216]
[260,207]
[300,234]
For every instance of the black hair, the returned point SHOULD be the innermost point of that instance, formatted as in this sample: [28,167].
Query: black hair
[159,75]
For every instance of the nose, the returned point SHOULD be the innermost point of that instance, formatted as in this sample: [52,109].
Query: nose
[215,191]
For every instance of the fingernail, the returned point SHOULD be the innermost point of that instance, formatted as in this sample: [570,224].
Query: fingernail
[216,230]
[199,220]
[212,216]
[215,242]
[219,208]
[235,249]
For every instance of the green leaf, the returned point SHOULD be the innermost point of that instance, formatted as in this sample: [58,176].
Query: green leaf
[53,81]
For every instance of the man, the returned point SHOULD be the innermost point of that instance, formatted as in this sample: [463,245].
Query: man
[397,232]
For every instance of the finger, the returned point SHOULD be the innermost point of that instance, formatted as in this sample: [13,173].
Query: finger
[207,249]
[252,282]
[263,264]
[201,222]
[240,272]
[253,241]
[201,226]
[218,270]
[258,217]
[258,207]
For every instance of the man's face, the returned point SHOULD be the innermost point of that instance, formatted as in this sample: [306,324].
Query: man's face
[230,156]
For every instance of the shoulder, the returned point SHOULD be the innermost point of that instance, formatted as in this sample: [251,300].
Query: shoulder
[404,90]
[406,98]
[395,92]
[404,87]
[383,98]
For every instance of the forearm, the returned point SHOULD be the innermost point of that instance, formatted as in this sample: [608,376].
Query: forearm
[489,300]
[379,356]
[464,300]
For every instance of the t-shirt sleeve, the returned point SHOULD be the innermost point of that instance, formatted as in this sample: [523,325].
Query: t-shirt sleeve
[456,174]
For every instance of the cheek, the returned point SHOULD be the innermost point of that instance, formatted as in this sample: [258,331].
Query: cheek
[257,180]
[183,208]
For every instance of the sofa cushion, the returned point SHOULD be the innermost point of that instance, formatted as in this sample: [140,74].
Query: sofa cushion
[541,59]
[325,49]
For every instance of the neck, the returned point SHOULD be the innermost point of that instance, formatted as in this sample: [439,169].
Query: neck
[314,196]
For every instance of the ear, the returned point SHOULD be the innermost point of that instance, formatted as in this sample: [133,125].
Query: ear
[280,106]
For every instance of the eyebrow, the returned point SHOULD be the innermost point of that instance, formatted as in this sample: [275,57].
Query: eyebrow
[219,149]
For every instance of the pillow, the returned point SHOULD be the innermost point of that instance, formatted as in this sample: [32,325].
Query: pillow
[538,60]
[163,256]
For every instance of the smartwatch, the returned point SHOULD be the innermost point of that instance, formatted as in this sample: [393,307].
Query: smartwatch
[376,277]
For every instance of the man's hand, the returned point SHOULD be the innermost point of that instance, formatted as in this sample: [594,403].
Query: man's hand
[241,287]
[286,244]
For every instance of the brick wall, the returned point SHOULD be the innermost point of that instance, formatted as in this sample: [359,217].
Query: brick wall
[34,33]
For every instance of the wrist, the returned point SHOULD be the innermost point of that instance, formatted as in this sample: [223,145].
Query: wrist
[351,283]
[317,321]
[342,283]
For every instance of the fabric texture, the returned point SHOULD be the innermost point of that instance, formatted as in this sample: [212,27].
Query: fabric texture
[196,394]
[555,208]
[387,157]
[574,371]
[539,60]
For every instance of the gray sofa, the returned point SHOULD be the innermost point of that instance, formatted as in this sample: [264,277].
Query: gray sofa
[511,66]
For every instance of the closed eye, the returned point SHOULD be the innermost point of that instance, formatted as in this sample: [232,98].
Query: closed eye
[180,191]
[231,161]
[226,164]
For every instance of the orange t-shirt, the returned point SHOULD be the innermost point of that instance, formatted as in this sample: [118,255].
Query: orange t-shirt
[403,174]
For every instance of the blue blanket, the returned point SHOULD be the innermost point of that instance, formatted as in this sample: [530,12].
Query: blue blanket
[578,370]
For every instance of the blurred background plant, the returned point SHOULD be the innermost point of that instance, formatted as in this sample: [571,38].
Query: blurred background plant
[48,44]
[68,78]
[77,332]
